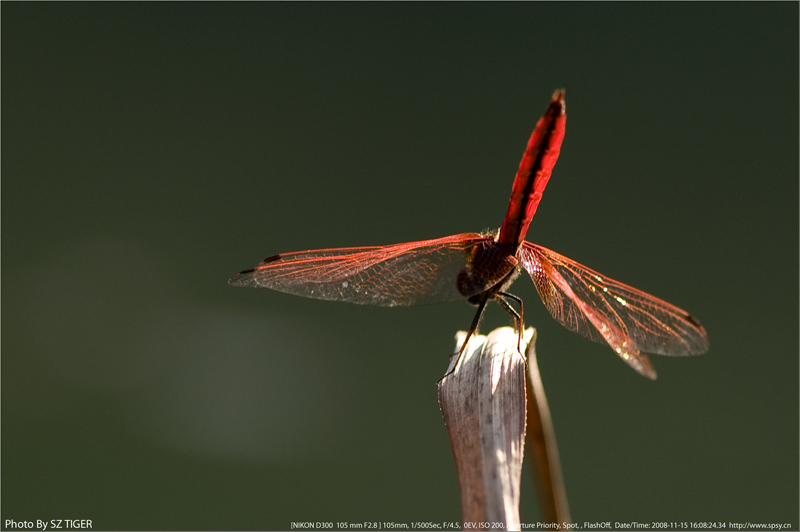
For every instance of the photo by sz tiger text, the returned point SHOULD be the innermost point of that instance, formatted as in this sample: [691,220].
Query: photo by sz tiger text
[51,524]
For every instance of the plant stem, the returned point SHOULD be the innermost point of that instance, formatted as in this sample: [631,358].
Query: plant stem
[541,440]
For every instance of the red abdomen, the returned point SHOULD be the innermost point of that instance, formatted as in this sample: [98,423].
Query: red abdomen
[534,171]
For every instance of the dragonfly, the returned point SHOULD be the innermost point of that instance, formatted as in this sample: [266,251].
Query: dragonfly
[479,267]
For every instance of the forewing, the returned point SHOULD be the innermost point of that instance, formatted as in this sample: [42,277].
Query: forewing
[413,273]
[607,311]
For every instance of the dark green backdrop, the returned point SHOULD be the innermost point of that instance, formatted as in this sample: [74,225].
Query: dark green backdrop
[151,150]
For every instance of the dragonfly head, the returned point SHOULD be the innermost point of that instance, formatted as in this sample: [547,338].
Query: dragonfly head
[489,268]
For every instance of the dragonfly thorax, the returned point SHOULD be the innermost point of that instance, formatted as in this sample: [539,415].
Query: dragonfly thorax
[490,268]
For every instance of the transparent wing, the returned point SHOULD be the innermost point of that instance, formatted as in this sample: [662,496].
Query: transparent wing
[607,311]
[413,273]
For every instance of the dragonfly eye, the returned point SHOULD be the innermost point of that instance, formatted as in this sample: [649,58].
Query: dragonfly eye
[466,283]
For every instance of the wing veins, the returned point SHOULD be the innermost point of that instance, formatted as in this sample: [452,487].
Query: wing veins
[648,323]
[402,274]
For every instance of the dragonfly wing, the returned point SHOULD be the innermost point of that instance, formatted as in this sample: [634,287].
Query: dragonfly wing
[413,273]
[607,311]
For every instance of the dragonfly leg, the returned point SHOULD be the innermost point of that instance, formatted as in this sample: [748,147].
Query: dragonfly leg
[472,330]
[518,321]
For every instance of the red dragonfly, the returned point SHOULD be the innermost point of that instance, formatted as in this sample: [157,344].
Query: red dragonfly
[479,267]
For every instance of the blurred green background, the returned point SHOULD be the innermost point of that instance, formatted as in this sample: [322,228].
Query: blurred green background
[151,150]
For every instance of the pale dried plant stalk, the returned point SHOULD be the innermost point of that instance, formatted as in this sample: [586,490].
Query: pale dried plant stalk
[485,402]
